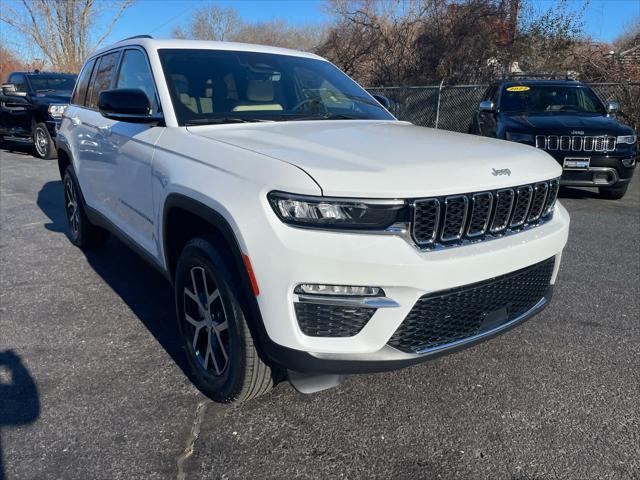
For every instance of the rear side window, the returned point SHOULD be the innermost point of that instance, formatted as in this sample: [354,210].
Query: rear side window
[101,78]
[80,93]
[135,73]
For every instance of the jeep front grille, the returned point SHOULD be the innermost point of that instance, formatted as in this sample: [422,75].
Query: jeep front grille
[455,219]
[576,143]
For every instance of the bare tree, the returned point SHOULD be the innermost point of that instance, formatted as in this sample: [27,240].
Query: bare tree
[211,23]
[63,30]
[279,33]
[8,63]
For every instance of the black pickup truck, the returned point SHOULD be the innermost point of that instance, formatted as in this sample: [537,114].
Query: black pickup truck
[31,105]
[568,120]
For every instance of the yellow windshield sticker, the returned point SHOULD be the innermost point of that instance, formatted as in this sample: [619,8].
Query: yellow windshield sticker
[520,88]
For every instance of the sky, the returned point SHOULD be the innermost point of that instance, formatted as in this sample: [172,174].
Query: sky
[605,19]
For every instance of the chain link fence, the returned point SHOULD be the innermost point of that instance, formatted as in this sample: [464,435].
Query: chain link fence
[451,107]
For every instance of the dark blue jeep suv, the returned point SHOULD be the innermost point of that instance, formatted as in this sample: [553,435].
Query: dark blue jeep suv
[568,120]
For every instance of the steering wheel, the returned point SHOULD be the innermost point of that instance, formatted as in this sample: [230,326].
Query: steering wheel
[310,101]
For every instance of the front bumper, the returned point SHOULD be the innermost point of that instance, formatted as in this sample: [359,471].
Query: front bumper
[603,170]
[402,271]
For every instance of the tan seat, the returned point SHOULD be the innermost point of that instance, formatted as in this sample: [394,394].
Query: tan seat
[260,95]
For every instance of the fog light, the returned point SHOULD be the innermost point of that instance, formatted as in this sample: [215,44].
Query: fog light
[629,162]
[341,290]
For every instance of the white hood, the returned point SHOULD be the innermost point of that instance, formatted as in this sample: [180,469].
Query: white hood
[389,159]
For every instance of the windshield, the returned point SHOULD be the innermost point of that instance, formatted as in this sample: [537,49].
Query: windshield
[550,98]
[218,86]
[44,83]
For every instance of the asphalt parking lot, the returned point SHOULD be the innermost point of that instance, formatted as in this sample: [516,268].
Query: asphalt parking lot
[92,382]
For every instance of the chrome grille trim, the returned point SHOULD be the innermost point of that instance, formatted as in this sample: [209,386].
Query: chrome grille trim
[431,208]
[442,222]
[577,143]
[524,196]
[505,195]
[453,218]
[480,213]
[539,198]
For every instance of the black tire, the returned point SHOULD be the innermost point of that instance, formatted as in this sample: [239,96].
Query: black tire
[82,232]
[216,323]
[613,193]
[43,144]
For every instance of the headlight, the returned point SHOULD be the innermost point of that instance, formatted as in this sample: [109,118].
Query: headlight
[630,139]
[336,213]
[56,111]
[519,137]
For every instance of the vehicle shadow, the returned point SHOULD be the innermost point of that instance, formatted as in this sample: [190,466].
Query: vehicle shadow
[19,399]
[142,288]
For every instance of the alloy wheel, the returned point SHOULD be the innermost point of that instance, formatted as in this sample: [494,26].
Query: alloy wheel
[207,323]
[71,203]
[41,142]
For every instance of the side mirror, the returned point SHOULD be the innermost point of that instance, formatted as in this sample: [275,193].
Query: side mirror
[126,105]
[613,107]
[382,100]
[9,89]
[487,106]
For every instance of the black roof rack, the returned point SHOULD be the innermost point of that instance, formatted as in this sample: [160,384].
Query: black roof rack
[538,76]
[136,36]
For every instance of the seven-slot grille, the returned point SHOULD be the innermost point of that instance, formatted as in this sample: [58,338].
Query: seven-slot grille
[445,221]
[576,143]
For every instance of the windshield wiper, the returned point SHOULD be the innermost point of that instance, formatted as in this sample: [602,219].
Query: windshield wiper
[220,120]
[330,116]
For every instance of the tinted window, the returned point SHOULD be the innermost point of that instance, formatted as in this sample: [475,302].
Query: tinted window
[550,98]
[47,83]
[19,81]
[101,78]
[210,85]
[80,92]
[135,73]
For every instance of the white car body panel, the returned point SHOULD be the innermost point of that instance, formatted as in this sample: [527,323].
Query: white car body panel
[231,169]
[389,159]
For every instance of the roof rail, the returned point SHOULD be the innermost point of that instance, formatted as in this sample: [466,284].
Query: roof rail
[135,36]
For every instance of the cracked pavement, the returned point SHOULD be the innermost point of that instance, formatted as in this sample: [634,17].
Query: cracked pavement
[103,393]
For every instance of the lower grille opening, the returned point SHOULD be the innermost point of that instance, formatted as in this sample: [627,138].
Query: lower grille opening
[317,320]
[445,317]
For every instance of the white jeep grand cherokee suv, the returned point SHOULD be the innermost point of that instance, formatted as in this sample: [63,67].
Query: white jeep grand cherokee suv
[304,228]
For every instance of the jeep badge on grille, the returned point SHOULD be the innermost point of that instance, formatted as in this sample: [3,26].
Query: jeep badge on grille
[501,171]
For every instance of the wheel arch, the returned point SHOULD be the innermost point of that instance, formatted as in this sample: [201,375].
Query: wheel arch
[64,160]
[184,218]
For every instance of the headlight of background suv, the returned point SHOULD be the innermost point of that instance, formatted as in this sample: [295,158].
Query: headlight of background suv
[630,139]
[56,111]
[519,137]
[337,213]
